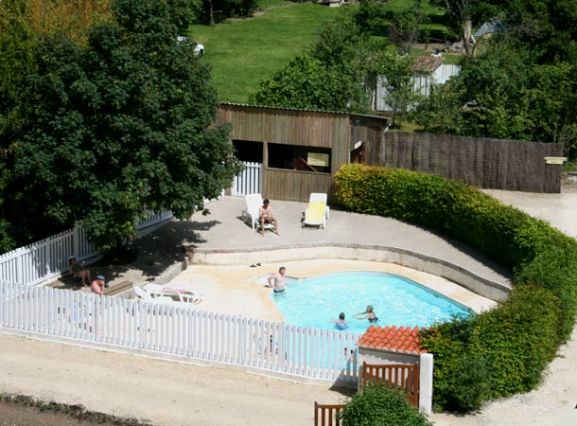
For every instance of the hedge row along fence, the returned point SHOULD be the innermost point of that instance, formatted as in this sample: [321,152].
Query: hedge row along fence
[506,350]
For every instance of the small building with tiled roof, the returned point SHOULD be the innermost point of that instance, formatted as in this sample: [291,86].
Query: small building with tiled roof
[396,347]
[427,64]
[390,345]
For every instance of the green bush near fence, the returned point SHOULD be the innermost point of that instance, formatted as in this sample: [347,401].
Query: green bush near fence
[506,350]
[378,405]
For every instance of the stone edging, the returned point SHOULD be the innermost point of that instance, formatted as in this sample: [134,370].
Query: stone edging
[483,286]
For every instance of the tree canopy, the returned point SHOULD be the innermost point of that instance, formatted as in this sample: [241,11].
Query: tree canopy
[112,128]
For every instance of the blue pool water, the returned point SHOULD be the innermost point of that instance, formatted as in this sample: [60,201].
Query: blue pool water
[317,302]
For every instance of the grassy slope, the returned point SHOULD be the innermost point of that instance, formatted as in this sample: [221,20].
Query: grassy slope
[242,52]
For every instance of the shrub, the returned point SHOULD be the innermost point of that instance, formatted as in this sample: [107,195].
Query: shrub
[379,405]
[503,351]
[460,374]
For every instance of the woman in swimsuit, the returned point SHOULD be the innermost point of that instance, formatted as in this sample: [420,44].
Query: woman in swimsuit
[369,314]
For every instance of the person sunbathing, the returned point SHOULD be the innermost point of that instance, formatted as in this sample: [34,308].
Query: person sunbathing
[265,216]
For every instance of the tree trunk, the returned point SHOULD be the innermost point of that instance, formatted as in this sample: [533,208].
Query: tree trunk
[468,39]
[210,13]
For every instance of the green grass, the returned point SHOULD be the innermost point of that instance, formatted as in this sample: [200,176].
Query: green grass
[243,52]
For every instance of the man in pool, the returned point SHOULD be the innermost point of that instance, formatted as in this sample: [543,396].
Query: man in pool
[277,280]
[369,314]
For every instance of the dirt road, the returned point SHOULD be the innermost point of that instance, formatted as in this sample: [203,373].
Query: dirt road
[155,391]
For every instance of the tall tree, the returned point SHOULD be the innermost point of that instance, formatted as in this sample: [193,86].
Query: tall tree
[467,13]
[329,76]
[124,124]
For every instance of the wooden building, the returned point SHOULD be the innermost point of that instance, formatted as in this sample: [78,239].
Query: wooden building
[300,150]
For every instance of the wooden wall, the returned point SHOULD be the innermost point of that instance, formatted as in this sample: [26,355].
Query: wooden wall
[293,185]
[302,128]
[483,162]
[292,127]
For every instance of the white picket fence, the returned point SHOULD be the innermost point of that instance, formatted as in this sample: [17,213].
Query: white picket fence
[179,330]
[249,181]
[48,258]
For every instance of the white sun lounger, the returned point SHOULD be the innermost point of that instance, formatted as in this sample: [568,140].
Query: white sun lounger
[180,294]
[251,212]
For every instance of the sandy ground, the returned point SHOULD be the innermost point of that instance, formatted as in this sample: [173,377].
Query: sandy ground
[152,390]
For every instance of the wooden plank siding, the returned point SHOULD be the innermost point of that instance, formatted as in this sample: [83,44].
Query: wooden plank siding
[291,127]
[270,125]
[294,185]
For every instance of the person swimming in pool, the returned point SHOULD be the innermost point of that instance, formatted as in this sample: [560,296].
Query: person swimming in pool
[341,323]
[369,314]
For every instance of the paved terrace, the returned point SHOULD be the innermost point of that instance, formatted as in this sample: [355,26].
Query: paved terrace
[225,230]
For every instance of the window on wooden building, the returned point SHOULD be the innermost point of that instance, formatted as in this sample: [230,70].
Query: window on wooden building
[295,157]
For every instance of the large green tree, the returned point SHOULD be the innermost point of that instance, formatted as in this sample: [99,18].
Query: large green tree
[124,124]
[505,94]
[329,76]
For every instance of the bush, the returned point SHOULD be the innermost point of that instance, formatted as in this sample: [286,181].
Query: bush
[503,351]
[379,405]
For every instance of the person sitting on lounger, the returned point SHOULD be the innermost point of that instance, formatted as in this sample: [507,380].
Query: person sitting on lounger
[265,216]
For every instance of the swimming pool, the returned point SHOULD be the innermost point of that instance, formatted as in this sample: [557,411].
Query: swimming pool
[317,302]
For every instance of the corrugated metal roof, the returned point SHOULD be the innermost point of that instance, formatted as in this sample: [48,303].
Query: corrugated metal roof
[350,114]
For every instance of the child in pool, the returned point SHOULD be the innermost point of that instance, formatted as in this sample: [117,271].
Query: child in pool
[341,323]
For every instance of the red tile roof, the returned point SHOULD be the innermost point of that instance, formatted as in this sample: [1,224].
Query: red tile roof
[392,339]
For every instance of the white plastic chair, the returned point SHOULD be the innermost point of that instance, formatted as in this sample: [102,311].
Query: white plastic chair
[251,212]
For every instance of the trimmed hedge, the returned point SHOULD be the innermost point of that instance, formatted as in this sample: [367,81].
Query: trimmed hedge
[378,405]
[503,351]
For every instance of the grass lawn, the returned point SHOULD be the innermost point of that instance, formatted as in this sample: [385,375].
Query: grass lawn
[243,52]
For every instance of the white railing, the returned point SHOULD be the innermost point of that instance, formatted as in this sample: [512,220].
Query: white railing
[249,181]
[181,331]
[48,258]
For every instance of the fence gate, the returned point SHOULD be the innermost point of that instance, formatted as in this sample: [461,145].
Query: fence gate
[403,376]
[249,181]
[328,414]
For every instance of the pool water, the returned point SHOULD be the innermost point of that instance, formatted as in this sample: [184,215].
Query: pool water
[317,302]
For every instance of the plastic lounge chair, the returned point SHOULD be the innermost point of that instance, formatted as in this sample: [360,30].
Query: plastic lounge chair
[250,213]
[147,297]
[181,294]
[317,211]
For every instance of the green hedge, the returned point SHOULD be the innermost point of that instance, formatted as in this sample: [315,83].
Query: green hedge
[378,405]
[500,352]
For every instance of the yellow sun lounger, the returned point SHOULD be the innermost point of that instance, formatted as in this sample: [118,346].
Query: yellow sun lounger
[317,211]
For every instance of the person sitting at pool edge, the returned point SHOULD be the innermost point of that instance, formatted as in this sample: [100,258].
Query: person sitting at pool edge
[79,272]
[369,314]
[265,216]
[341,323]
[277,280]
[97,286]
